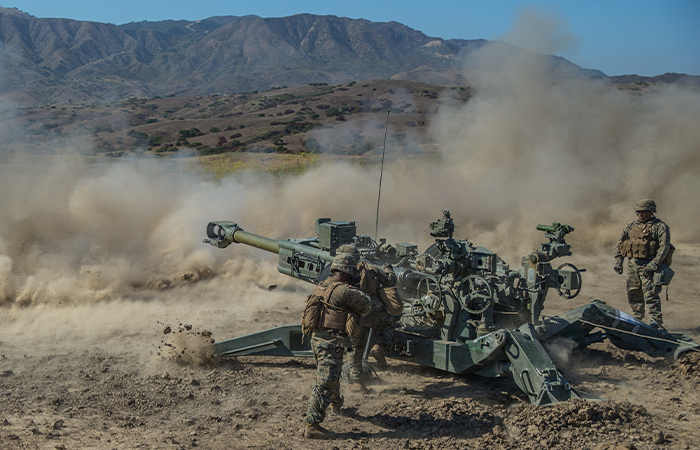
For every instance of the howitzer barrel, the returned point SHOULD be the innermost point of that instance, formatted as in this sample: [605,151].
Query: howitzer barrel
[223,233]
[261,242]
[297,258]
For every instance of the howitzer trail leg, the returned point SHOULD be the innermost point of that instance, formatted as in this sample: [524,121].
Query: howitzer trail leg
[535,373]
[287,340]
[623,331]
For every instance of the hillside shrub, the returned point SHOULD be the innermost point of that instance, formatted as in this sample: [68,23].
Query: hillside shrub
[152,141]
[167,148]
[312,145]
[300,127]
[96,129]
[206,151]
[214,129]
[333,112]
[192,132]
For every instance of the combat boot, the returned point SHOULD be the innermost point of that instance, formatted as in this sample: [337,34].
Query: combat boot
[316,431]
[377,353]
[336,408]
[358,386]
[658,326]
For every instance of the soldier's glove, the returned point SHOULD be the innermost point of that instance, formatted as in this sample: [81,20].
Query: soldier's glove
[618,269]
[388,267]
[649,270]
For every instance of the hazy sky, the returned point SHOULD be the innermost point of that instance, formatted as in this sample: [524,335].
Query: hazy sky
[645,37]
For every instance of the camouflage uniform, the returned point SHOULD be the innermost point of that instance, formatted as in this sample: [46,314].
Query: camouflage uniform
[378,318]
[328,346]
[640,285]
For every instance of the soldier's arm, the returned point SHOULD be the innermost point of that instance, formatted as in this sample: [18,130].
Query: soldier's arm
[386,276]
[664,235]
[356,301]
[625,236]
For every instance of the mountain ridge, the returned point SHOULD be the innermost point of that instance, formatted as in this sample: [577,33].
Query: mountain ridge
[52,60]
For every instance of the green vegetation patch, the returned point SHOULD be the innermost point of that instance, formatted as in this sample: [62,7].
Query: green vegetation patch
[277,164]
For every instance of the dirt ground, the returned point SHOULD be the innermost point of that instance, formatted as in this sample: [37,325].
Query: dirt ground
[101,377]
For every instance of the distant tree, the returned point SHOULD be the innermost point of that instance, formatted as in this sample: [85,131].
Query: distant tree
[312,145]
[192,132]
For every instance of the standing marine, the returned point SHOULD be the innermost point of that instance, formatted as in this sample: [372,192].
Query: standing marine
[370,279]
[646,242]
[331,316]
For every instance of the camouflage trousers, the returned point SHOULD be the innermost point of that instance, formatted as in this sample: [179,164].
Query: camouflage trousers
[328,347]
[382,335]
[641,290]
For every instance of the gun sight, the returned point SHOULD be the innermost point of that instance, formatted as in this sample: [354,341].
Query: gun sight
[556,227]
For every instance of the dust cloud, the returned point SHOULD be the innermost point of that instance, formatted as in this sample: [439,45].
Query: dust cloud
[541,31]
[109,249]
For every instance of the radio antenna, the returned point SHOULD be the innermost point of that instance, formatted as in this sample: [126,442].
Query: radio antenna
[381,174]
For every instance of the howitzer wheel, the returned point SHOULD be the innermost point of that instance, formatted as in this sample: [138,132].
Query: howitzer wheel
[576,273]
[475,294]
[430,296]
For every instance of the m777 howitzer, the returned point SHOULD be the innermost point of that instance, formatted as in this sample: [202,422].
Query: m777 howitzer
[465,311]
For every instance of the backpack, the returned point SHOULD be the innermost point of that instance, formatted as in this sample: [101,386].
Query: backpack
[319,313]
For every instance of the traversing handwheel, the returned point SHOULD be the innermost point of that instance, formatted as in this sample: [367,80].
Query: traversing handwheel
[429,294]
[576,278]
[475,294]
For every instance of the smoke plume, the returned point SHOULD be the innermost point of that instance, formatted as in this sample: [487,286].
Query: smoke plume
[524,150]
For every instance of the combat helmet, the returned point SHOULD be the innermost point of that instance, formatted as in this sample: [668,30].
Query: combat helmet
[645,205]
[344,263]
[349,249]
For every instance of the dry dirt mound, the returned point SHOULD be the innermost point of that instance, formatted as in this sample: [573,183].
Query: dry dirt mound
[577,423]
[688,366]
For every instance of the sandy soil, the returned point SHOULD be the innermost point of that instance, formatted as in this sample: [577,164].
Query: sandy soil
[103,377]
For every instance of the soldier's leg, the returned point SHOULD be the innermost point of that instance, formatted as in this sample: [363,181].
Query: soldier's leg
[356,354]
[635,295]
[652,300]
[329,362]
[384,338]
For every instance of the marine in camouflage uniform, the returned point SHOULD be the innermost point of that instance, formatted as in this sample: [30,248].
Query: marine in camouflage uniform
[370,278]
[646,242]
[329,344]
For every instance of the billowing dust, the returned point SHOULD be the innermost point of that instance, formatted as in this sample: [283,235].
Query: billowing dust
[102,248]
[98,261]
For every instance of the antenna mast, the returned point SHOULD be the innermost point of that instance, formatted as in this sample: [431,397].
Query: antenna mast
[381,174]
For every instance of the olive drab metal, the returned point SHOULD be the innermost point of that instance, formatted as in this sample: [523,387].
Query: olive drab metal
[465,310]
